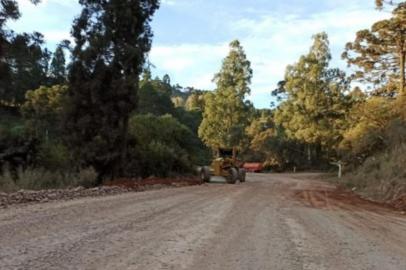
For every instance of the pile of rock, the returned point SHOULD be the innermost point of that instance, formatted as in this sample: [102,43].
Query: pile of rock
[25,196]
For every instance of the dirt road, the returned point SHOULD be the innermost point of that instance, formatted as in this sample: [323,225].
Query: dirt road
[271,222]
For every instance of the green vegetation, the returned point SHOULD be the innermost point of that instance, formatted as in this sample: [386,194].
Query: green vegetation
[226,112]
[380,53]
[162,145]
[315,106]
[103,80]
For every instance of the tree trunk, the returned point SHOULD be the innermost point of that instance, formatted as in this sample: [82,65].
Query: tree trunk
[123,149]
[402,72]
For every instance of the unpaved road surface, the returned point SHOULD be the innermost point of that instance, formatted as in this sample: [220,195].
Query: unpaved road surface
[271,222]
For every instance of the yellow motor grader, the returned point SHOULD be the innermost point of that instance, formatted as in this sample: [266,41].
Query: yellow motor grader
[225,164]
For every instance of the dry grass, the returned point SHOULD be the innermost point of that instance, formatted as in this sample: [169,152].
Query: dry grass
[381,177]
[37,179]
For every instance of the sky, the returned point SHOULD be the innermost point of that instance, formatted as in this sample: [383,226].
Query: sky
[191,37]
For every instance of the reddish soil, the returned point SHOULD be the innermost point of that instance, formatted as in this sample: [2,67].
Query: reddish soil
[331,197]
[399,203]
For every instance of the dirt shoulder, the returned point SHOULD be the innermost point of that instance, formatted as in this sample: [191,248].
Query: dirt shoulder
[355,195]
[109,188]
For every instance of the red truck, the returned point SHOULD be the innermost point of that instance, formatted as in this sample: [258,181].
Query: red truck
[253,167]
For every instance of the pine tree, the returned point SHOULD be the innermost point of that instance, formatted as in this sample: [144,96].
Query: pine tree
[26,66]
[58,67]
[226,111]
[315,104]
[154,96]
[380,53]
[112,39]
[9,11]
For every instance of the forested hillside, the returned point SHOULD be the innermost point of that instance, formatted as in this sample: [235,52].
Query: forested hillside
[92,111]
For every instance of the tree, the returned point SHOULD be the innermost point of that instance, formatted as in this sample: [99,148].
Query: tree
[25,67]
[112,39]
[226,111]
[166,144]
[380,3]
[43,109]
[380,53]
[195,102]
[58,67]
[315,106]
[154,96]
[279,93]
[368,120]
[8,10]
[166,79]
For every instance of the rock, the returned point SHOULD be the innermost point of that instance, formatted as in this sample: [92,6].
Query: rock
[53,196]
[77,189]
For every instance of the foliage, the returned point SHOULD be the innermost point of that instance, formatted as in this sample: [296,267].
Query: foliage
[315,105]
[195,102]
[11,125]
[381,3]
[55,157]
[24,66]
[16,148]
[112,39]
[368,121]
[226,112]
[380,52]
[43,109]
[191,119]
[57,68]
[8,11]
[381,176]
[38,179]
[154,96]
[161,145]
[270,145]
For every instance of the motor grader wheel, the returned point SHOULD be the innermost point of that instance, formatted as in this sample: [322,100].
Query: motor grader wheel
[242,174]
[233,176]
[205,174]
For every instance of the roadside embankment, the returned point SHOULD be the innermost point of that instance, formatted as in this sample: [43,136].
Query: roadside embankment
[110,188]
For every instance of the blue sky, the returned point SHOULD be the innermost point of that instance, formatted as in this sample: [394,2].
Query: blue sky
[192,36]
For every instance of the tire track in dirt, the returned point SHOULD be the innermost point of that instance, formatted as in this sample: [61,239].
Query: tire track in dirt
[367,219]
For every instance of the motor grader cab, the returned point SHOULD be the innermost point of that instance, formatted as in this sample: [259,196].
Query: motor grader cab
[224,164]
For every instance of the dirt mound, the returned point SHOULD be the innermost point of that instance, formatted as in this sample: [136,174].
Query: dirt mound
[41,196]
[110,188]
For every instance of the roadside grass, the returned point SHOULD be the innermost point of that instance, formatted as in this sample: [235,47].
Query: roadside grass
[38,179]
[381,177]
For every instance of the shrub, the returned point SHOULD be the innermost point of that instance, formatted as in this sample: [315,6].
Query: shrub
[161,145]
[54,156]
[368,123]
[86,178]
[7,183]
[37,179]
[382,176]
